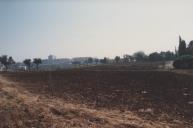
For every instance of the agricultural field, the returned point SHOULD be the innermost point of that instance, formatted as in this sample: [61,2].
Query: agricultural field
[96,98]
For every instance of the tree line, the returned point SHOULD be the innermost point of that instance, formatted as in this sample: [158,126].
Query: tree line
[139,56]
[28,63]
[184,58]
[126,59]
[6,61]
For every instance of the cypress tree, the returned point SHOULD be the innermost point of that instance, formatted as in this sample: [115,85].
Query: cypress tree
[182,47]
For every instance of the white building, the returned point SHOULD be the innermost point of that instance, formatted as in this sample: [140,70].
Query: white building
[1,67]
[51,57]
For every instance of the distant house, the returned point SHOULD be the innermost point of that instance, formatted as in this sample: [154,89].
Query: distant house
[52,60]
[52,63]
[168,65]
[22,68]
[19,67]
[51,57]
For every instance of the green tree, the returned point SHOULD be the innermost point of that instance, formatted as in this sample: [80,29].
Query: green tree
[169,55]
[104,60]
[140,56]
[7,61]
[4,61]
[127,58]
[10,60]
[190,48]
[182,47]
[37,62]
[117,59]
[27,62]
[155,57]
[90,60]
[96,60]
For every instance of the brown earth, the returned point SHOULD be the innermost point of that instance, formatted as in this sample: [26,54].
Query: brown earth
[96,99]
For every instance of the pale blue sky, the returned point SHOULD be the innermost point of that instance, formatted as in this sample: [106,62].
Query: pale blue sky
[98,28]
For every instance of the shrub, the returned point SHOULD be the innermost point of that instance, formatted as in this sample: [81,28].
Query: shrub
[184,62]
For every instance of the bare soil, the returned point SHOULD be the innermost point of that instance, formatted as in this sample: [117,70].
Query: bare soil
[96,98]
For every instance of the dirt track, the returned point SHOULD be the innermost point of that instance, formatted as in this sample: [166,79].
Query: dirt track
[27,98]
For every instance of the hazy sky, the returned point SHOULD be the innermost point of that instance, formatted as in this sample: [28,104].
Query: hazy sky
[98,28]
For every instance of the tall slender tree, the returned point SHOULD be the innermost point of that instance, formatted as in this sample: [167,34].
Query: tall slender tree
[182,47]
